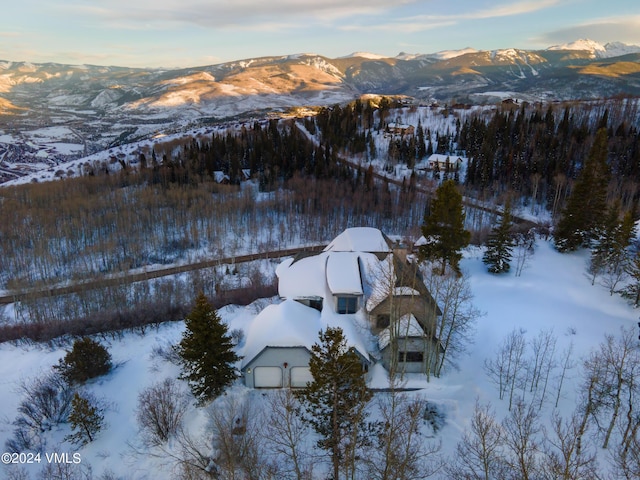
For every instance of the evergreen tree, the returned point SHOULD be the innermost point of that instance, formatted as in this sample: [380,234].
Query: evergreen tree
[610,255]
[582,217]
[206,352]
[87,359]
[334,402]
[444,228]
[86,420]
[497,256]
[633,270]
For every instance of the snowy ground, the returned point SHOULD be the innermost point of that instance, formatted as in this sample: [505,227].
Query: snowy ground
[553,292]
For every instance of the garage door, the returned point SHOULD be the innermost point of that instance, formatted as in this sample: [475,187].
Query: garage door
[300,376]
[267,377]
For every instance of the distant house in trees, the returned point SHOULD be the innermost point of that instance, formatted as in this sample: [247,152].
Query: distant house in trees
[445,163]
[400,129]
[220,177]
[363,283]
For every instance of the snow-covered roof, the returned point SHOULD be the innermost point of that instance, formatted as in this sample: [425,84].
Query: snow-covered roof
[304,278]
[343,273]
[359,239]
[291,324]
[442,158]
[381,293]
[287,324]
[406,326]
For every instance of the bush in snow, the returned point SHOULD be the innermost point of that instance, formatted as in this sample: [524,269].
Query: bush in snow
[160,411]
[87,359]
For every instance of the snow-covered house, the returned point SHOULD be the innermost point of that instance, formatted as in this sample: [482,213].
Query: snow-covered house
[445,163]
[360,282]
[400,129]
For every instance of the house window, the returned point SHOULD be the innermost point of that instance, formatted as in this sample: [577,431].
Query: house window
[410,357]
[383,320]
[347,304]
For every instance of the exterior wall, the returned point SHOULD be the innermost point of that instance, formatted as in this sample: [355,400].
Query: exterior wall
[401,305]
[277,356]
[409,344]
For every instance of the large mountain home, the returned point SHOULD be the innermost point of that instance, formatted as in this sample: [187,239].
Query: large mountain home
[361,282]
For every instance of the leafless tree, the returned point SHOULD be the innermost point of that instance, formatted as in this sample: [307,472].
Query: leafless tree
[565,456]
[479,454]
[237,440]
[523,251]
[506,369]
[160,410]
[567,364]
[401,451]
[543,362]
[521,445]
[287,436]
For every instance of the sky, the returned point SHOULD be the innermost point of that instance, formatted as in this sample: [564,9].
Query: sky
[181,33]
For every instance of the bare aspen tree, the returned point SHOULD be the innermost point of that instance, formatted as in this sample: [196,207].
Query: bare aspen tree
[543,348]
[623,359]
[287,436]
[458,315]
[506,369]
[521,445]
[479,453]
[594,370]
[564,456]
[523,251]
[401,449]
[237,439]
[567,364]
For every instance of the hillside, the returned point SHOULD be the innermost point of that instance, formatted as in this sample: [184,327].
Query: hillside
[52,113]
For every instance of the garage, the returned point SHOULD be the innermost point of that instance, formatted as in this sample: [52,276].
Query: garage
[300,376]
[267,377]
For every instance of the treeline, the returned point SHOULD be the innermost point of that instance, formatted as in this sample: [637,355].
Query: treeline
[538,151]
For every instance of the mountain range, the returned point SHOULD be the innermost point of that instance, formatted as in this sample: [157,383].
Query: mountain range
[97,106]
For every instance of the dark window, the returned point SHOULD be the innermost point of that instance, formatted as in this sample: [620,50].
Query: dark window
[410,357]
[347,304]
[383,320]
[317,304]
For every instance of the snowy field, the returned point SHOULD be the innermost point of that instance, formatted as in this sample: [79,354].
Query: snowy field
[553,292]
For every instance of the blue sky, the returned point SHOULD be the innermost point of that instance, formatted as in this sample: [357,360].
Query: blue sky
[175,33]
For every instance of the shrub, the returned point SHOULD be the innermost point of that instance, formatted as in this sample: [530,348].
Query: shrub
[160,411]
[87,359]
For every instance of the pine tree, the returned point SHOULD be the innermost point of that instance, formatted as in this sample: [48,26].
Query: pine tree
[87,359]
[444,228]
[206,352]
[334,402]
[582,217]
[497,256]
[86,419]
[610,256]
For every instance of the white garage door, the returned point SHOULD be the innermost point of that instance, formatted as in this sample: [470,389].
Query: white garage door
[300,376]
[267,377]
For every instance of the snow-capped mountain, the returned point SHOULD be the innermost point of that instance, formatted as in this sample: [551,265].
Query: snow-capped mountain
[597,50]
[93,107]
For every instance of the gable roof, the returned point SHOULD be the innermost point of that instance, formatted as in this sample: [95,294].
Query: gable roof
[343,273]
[407,326]
[360,239]
[291,324]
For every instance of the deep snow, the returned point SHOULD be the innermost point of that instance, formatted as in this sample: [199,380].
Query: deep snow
[552,293]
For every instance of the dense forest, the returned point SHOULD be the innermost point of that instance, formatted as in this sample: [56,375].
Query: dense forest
[188,198]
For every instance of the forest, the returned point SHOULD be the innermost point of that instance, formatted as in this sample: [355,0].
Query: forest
[311,178]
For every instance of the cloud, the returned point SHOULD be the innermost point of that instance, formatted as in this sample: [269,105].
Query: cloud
[623,29]
[140,14]
[417,23]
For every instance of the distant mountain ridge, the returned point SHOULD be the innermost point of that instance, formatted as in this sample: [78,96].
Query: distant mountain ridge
[107,106]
